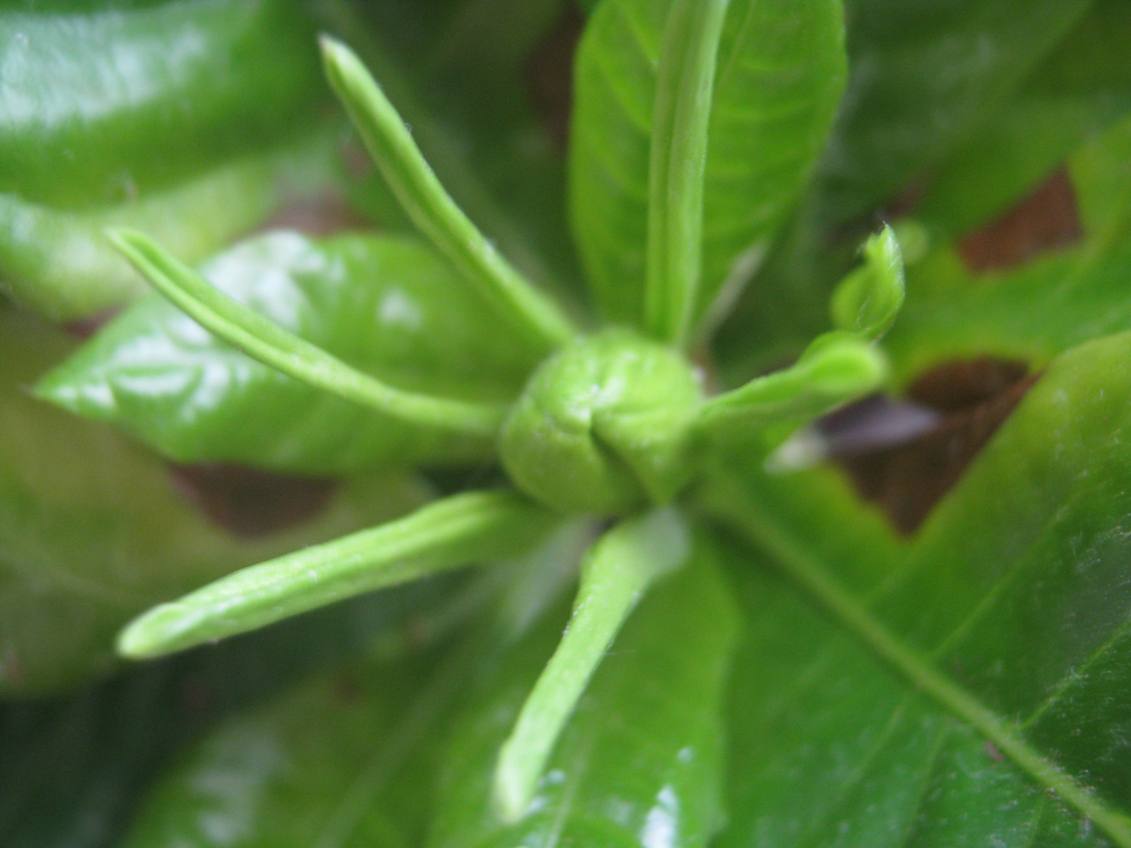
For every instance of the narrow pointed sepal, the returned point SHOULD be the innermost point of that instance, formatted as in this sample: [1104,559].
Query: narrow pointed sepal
[617,572]
[462,529]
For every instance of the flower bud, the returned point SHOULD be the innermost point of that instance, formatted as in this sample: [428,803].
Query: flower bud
[602,426]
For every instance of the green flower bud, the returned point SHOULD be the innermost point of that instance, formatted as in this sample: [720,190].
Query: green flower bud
[603,425]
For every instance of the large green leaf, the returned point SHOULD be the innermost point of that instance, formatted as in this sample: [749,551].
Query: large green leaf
[638,763]
[924,76]
[962,687]
[74,768]
[92,529]
[1079,88]
[344,759]
[387,305]
[780,75]
[170,116]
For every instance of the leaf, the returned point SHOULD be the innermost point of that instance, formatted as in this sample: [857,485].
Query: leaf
[382,304]
[923,78]
[780,73]
[959,687]
[75,768]
[639,761]
[1081,87]
[167,116]
[344,759]
[58,262]
[92,530]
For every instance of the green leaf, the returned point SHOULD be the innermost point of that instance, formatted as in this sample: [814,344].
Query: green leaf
[780,74]
[170,116]
[58,262]
[960,687]
[92,530]
[344,759]
[385,305]
[677,168]
[639,761]
[1078,89]
[923,77]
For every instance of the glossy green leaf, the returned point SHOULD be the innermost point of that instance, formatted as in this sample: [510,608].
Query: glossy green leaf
[780,74]
[58,262]
[1078,89]
[93,530]
[385,305]
[960,687]
[167,115]
[923,79]
[344,759]
[639,762]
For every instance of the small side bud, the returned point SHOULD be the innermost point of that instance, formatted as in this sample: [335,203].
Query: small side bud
[868,300]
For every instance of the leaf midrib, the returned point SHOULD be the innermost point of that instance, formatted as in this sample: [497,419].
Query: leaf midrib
[808,574]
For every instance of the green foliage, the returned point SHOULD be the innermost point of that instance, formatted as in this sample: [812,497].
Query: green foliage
[756,653]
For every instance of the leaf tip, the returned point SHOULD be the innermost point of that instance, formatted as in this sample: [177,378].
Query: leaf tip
[513,789]
[153,633]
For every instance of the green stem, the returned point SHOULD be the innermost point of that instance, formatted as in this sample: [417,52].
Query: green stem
[438,537]
[678,166]
[279,349]
[430,207]
[622,565]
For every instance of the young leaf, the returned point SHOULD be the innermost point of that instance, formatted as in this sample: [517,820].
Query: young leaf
[616,574]
[445,534]
[868,300]
[647,732]
[289,354]
[678,162]
[93,543]
[386,305]
[780,72]
[529,313]
[946,678]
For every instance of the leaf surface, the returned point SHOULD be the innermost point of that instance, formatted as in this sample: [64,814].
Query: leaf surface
[386,305]
[779,77]
[960,687]
[93,530]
